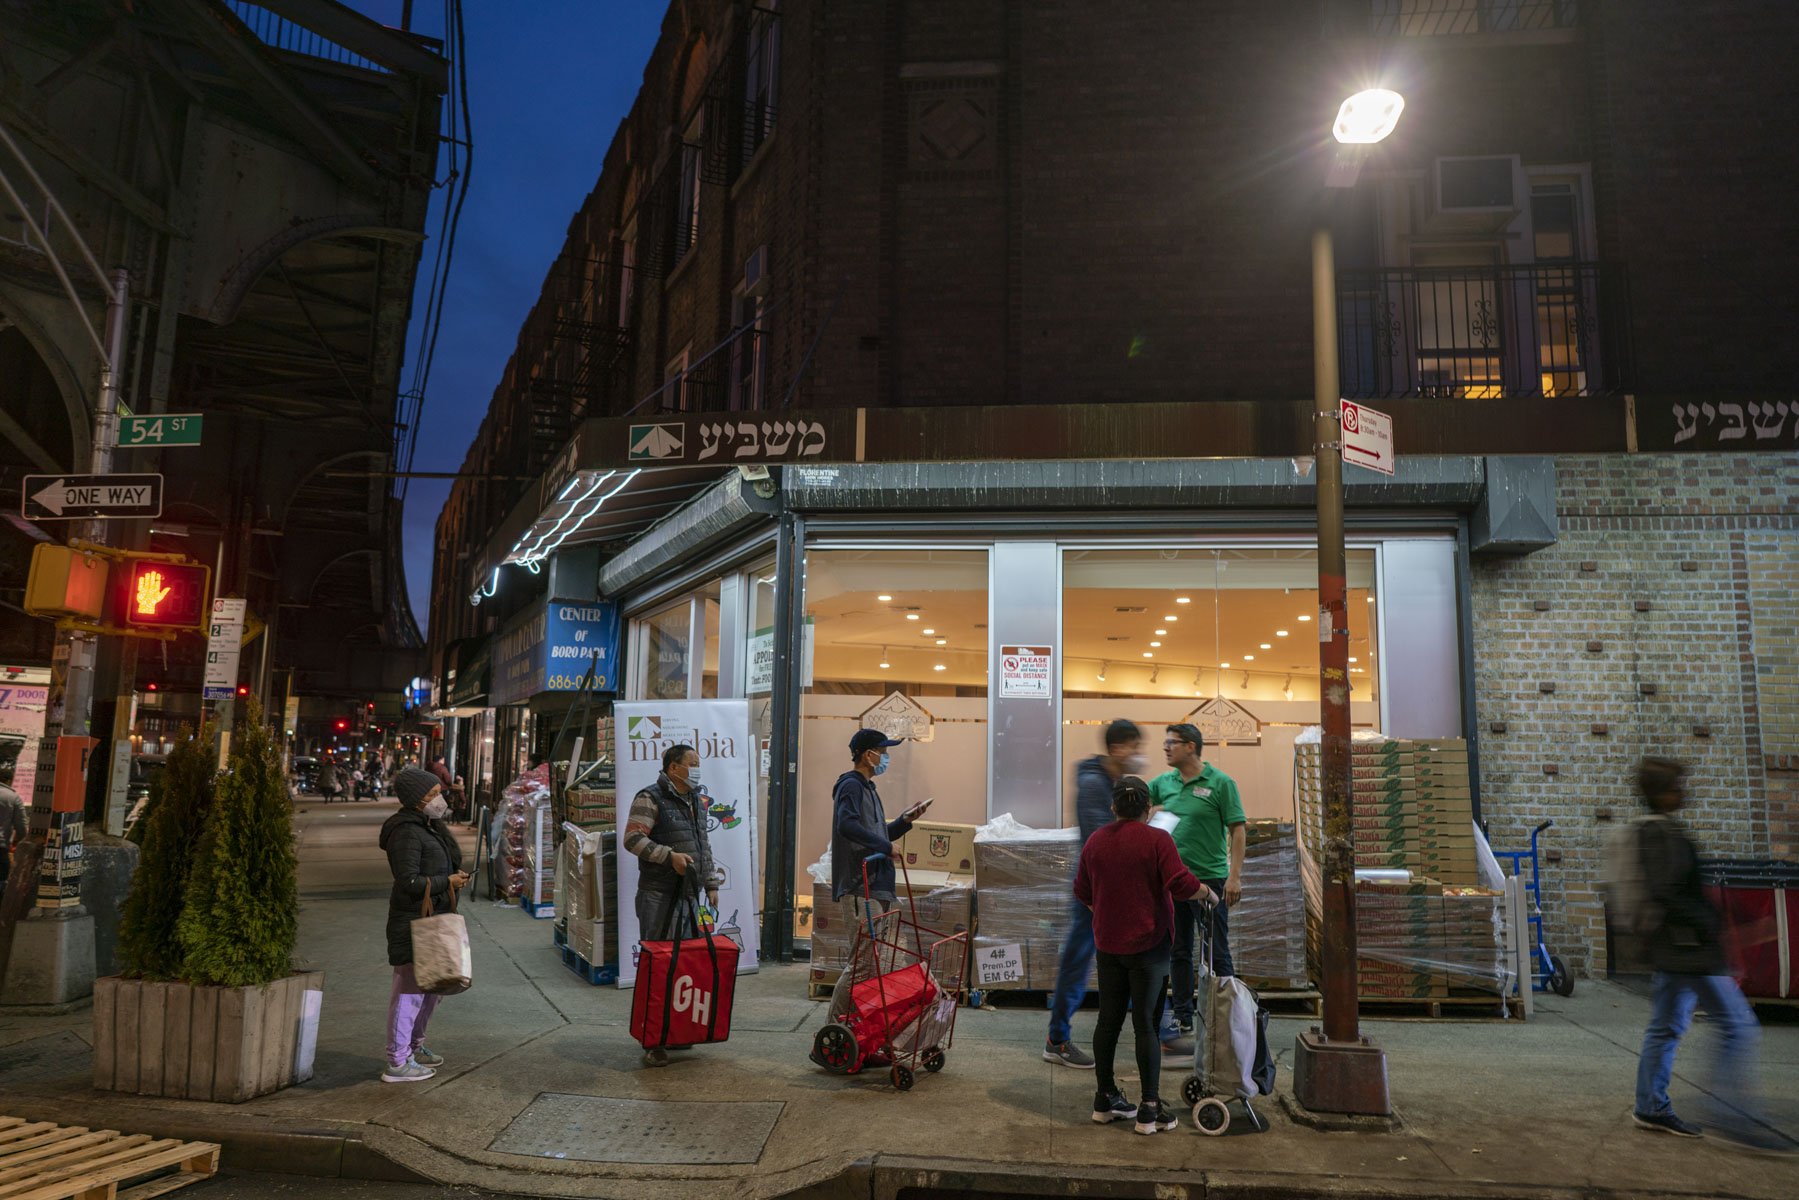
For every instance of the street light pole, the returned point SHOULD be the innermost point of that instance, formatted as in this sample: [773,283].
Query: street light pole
[1335,1069]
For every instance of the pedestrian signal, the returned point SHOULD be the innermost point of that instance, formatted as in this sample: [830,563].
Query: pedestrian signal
[164,595]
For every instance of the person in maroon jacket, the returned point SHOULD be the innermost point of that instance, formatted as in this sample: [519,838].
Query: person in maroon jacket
[1130,875]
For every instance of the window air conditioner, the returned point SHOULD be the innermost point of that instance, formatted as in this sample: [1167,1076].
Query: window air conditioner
[1476,195]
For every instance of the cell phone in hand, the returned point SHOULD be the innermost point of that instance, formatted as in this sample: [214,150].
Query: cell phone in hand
[918,810]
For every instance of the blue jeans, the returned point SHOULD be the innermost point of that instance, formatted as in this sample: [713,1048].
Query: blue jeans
[1071,978]
[1675,998]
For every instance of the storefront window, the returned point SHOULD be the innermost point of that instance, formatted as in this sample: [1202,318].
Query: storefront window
[668,636]
[1226,638]
[709,661]
[894,639]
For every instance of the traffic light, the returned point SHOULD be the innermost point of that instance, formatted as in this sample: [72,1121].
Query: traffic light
[165,595]
[243,689]
[341,724]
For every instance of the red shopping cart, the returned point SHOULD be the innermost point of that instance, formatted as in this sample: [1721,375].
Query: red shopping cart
[905,986]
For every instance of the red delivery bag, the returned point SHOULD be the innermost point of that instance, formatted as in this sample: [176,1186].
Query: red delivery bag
[684,992]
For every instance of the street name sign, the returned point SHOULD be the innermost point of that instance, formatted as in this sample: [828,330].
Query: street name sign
[160,429]
[1367,437]
[78,497]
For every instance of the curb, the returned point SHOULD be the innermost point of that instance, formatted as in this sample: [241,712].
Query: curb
[316,1151]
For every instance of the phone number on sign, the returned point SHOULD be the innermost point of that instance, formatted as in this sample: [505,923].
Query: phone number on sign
[568,683]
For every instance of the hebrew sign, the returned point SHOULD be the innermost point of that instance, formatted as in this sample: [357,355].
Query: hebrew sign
[901,718]
[1225,721]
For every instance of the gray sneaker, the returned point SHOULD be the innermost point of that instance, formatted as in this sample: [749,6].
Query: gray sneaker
[1068,1054]
[425,1058]
[406,1072]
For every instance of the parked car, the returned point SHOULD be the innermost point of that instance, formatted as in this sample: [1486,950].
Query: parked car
[145,770]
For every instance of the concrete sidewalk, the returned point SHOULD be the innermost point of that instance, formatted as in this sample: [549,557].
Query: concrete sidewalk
[1488,1108]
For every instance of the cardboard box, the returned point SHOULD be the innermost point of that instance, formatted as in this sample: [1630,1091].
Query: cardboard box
[945,904]
[939,846]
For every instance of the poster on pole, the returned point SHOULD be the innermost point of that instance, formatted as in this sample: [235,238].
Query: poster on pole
[24,694]
[719,730]
[224,642]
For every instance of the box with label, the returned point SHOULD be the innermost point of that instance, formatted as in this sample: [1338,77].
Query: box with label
[939,846]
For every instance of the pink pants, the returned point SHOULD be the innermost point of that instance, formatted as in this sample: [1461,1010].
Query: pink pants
[408,1012]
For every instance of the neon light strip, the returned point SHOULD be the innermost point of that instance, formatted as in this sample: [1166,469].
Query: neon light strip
[536,551]
[542,551]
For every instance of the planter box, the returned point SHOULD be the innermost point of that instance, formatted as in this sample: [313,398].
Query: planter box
[205,1043]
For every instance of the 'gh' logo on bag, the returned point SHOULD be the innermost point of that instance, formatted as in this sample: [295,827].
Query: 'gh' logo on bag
[691,1000]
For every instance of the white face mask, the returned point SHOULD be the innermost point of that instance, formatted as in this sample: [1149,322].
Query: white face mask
[437,808]
[1138,765]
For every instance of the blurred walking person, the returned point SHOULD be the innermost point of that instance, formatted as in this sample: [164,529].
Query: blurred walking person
[1685,945]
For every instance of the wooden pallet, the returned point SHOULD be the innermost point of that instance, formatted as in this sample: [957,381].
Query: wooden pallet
[40,1160]
[1436,1008]
[1291,1002]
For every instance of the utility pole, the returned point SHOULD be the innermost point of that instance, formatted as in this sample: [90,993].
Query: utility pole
[1335,1068]
[49,957]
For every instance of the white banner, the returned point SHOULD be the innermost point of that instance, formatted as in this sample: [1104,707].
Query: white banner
[720,731]
[224,643]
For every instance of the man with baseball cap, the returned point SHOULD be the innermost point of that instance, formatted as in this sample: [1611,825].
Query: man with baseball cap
[859,828]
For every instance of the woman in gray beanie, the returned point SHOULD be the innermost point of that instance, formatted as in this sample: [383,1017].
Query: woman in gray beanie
[424,856]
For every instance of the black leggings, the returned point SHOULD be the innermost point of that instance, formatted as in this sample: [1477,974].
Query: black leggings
[1134,981]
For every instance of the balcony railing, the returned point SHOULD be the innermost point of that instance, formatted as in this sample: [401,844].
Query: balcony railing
[730,377]
[1455,18]
[1482,332]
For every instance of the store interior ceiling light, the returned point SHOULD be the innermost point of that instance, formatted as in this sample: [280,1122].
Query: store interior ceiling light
[1161,633]
[1249,658]
[1280,633]
[1155,645]
[943,641]
[883,599]
[939,667]
[928,632]
[1266,645]
[1302,617]
[1183,600]
[1148,654]
[911,616]
[1171,619]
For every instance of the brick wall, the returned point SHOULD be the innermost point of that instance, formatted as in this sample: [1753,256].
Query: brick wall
[1661,622]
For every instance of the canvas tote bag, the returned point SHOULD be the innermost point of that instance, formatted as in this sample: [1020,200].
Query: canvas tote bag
[441,961]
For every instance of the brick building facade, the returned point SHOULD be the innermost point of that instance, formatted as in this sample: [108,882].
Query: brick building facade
[875,203]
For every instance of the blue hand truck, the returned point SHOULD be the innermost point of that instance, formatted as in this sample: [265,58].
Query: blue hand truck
[1548,973]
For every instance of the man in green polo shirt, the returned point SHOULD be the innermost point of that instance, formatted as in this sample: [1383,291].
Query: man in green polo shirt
[1210,836]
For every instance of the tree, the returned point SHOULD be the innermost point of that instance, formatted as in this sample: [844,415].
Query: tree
[180,799]
[241,917]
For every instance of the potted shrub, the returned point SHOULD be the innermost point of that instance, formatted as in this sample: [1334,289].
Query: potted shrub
[209,1007]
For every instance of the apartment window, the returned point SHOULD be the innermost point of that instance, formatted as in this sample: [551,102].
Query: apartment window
[748,353]
[762,61]
[1566,294]
[687,198]
[676,392]
[627,274]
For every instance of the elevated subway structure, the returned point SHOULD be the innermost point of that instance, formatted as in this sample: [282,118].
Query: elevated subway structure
[263,172]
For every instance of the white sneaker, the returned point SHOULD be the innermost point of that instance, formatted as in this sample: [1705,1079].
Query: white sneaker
[406,1072]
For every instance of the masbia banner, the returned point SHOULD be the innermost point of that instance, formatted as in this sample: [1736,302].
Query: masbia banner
[720,731]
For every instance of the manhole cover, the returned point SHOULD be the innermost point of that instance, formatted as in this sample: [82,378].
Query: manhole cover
[602,1129]
[56,1056]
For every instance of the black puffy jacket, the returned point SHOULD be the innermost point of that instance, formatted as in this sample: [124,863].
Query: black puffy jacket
[422,854]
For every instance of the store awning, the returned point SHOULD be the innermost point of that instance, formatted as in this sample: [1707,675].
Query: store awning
[464,686]
[582,506]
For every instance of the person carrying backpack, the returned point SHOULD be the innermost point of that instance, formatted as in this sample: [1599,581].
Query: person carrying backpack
[1683,936]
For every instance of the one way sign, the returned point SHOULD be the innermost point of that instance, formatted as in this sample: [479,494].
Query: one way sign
[77,497]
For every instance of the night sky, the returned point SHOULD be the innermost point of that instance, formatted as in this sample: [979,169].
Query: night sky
[548,82]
